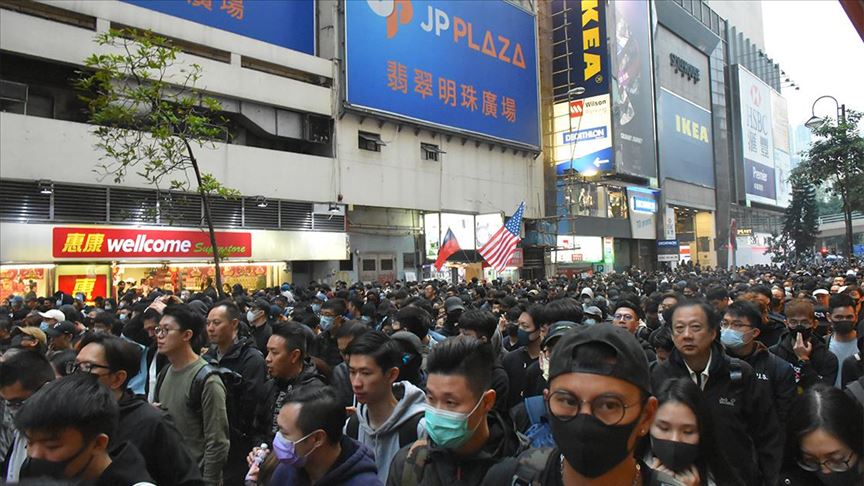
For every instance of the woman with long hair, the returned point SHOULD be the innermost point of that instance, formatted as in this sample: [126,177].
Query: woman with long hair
[825,439]
[683,441]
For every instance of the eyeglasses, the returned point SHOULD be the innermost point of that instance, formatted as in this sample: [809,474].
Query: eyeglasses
[623,317]
[73,367]
[834,465]
[734,324]
[608,409]
[14,405]
[163,331]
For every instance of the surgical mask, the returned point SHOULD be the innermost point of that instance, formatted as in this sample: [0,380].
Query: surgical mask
[677,456]
[449,429]
[316,308]
[43,468]
[524,337]
[286,452]
[251,316]
[589,321]
[366,319]
[843,327]
[123,317]
[591,447]
[326,322]
[44,326]
[732,339]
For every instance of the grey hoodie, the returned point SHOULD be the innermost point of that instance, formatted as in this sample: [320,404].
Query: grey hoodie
[384,441]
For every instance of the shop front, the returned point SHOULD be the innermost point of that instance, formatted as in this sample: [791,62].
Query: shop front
[93,260]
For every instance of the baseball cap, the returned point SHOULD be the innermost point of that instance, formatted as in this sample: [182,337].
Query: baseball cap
[63,327]
[17,299]
[820,292]
[594,311]
[33,332]
[410,338]
[453,303]
[55,314]
[630,364]
[558,329]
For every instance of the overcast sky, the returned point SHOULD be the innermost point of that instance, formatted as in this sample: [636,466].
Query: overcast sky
[817,46]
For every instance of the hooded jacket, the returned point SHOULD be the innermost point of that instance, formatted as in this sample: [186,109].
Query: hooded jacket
[354,467]
[384,441]
[153,433]
[744,417]
[127,468]
[244,358]
[275,393]
[445,467]
[821,368]
[777,374]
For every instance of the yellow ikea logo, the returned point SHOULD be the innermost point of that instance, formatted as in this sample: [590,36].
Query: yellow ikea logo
[691,129]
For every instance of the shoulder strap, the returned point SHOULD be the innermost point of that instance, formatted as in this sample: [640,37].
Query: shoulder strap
[408,430]
[530,466]
[159,379]
[736,374]
[415,462]
[536,408]
[196,389]
[352,427]
[857,390]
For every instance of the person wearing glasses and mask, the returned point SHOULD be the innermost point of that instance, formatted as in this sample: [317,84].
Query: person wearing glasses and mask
[824,440]
[22,373]
[114,361]
[743,410]
[808,354]
[628,315]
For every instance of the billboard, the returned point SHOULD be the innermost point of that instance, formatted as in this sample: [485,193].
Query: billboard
[94,242]
[286,24]
[467,66]
[782,150]
[580,56]
[757,138]
[577,249]
[632,89]
[686,146]
[642,213]
[583,138]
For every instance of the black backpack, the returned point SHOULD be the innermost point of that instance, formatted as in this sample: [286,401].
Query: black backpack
[238,425]
[407,431]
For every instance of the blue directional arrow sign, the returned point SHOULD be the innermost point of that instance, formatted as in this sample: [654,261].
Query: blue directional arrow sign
[600,161]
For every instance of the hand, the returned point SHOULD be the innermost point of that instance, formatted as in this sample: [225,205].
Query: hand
[689,477]
[351,410]
[502,323]
[252,455]
[158,305]
[802,350]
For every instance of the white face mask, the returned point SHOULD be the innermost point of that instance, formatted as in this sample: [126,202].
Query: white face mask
[251,316]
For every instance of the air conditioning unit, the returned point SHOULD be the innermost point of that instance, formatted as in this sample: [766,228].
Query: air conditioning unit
[317,129]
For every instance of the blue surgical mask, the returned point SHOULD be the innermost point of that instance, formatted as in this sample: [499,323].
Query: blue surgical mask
[325,322]
[44,326]
[589,322]
[316,308]
[123,317]
[366,319]
[732,339]
[449,429]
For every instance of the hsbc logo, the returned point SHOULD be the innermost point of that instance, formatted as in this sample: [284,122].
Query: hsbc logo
[755,95]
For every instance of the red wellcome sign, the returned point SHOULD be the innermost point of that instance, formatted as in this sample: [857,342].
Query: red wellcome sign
[146,243]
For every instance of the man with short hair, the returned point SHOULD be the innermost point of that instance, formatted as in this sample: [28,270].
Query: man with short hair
[389,411]
[811,359]
[739,330]
[114,361]
[481,324]
[331,318]
[627,315]
[516,362]
[465,436]
[339,377]
[843,343]
[290,370]
[241,356]
[718,297]
[747,425]
[604,367]
[259,319]
[22,373]
[203,425]
[60,336]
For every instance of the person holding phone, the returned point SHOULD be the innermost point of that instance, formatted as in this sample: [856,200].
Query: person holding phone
[811,359]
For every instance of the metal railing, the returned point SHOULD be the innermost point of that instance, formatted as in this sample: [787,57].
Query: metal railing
[839,218]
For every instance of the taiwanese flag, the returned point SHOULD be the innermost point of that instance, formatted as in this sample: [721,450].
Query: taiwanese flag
[448,247]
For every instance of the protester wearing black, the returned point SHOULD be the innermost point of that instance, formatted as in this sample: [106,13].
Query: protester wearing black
[260,323]
[516,362]
[331,319]
[808,354]
[746,421]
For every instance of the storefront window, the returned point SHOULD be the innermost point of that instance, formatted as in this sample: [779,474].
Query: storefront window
[617,202]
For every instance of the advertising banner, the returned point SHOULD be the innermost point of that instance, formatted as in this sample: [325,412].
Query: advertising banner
[432,233]
[642,213]
[286,24]
[779,122]
[580,52]
[760,182]
[575,249]
[146,243]
[485,225]
[462,226]
[782,170]
[91,286]
[669,223]
[686,146]
[632,89]
[583,136]
[468,66]
[757,138]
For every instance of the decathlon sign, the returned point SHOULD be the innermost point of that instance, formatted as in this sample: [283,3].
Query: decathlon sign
[88,243]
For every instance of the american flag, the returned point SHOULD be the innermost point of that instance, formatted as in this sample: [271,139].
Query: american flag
[499,250]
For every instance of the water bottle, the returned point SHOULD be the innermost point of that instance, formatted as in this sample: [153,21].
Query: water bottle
[259,458]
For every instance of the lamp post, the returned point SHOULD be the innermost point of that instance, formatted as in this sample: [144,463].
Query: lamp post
[815,123]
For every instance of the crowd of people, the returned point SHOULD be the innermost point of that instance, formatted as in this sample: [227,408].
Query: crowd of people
[685,377]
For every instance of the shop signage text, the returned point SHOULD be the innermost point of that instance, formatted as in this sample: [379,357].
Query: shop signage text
[146,243]
[685,68]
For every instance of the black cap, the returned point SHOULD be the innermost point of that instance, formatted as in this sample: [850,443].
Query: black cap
[631,364]
[558,329]
[452,304]
[60,328]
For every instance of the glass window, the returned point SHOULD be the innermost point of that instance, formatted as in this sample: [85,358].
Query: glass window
[387,265]
[617,207]
[369,265]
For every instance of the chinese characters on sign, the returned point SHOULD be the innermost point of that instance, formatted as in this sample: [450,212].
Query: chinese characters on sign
[234,8]
[397,80]
[112,242]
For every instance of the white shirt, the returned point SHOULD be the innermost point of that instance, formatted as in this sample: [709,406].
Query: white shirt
[703,375]
[151,379]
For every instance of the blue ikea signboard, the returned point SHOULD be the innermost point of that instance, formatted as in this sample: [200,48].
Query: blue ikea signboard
[686,142]
[288,24]
[467,66]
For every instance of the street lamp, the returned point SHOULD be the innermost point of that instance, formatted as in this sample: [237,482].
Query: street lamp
[815,122]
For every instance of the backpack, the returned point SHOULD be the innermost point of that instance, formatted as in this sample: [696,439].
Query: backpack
[531,465]
[856,388]
[539,433]
[407,430]
[238,425]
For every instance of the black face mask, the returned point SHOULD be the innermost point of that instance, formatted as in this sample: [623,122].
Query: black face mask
[677,456]
[804,331]
[591,447]
[43,468]
[843,327]
[852,476]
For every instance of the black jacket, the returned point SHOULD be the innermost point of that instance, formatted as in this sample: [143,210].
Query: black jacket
[744,418]
[821,368]
[275,393]
[444,467]
[775,373]
[261,335]
[153,433]
[127,468]
[516,365]
[773,331]
[327,348]
[341,383]
[852,367]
